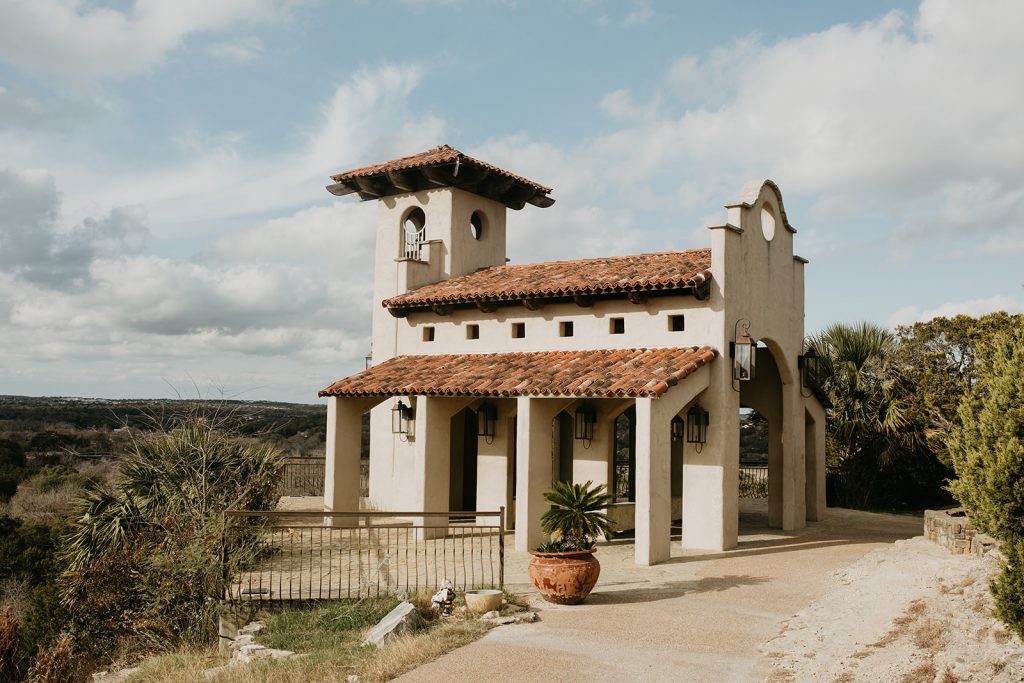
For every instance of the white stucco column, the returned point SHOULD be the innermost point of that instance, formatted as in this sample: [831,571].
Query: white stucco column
[653,482]
[794,494]
[493,484]
[341,466]
[814,459]
[711,477]
[776,470]
[533,466]
[431,466]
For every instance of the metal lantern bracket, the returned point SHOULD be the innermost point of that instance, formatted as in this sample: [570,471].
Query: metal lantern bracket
[402,421]
[809,365]
[743,350]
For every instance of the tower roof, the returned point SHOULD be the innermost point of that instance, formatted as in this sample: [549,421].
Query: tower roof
[442,166]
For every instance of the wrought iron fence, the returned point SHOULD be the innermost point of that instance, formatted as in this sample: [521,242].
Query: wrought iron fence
[307,556]
[753,482]
[305,477]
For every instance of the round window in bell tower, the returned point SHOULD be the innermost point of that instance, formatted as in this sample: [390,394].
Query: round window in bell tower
[767,222]
[476,225]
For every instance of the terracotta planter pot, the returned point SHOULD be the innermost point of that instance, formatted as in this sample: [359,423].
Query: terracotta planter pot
[564,578]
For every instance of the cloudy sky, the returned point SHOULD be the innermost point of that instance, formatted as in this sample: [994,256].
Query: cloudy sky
[164,224]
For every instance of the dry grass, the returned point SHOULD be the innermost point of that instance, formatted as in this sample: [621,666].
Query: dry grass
[845,677]
[16,595]
[948,676]
[328,639]
[1001,635]
[922,673]
[958,587]
[407,653]
[901,624]
[928,635]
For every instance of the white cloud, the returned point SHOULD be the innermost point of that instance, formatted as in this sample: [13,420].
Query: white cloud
[268,294]
[72,40]
[365,119]
[972,307]
[240,51]
[640,14]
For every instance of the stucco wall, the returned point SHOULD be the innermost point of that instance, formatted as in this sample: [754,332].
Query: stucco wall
[646,326]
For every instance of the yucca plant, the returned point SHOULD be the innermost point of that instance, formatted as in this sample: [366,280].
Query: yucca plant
[577,518]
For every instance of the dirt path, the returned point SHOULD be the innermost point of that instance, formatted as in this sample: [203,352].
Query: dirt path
[697,617]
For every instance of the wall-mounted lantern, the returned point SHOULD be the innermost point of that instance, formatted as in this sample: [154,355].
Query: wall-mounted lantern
[586,418]
[697,420]
[402,420]
[487,420]
[810,369]
[744,353]
[678,428]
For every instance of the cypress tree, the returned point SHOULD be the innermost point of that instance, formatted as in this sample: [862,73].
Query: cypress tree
[987,451]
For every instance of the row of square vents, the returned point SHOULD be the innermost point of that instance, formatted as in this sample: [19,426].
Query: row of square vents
[617,325]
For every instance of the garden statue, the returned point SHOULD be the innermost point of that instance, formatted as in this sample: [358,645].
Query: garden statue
[444,599]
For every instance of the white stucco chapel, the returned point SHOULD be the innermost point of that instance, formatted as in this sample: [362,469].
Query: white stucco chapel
[489,380]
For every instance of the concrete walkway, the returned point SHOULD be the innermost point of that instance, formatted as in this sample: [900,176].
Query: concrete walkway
[697,617]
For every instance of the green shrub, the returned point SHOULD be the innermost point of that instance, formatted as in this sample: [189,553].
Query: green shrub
[987,451]
[142,556]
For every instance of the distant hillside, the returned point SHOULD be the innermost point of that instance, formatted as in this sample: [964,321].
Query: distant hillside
[49,427]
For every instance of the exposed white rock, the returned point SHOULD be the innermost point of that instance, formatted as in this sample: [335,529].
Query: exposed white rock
[402,619]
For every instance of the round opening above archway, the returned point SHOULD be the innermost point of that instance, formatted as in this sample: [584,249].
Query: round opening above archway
[767,222]
[476,225]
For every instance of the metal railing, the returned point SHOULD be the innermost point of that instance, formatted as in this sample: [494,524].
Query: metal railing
[305,477]
[753,482]
[301,556]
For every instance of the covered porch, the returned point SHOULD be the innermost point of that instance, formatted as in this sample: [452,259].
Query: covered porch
[479,432]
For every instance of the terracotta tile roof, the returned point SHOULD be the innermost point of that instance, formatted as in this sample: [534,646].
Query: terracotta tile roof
[668,270]
[598,373]
[439,155]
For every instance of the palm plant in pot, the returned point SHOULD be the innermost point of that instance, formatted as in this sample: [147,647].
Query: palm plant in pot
[564,570]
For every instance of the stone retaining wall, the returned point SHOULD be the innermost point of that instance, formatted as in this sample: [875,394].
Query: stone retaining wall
[952,529]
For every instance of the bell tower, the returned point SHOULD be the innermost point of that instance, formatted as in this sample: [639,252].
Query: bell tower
[440,214]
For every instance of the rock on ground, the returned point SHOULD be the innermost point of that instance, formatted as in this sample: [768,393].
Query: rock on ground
[402,619]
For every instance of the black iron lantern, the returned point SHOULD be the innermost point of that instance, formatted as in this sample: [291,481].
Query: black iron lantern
[401,419]
[678,428]
[697,420]
[810,367]
[487,420]
[586,418]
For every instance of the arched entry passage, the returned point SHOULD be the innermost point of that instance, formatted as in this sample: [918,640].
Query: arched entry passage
[764,395]
[623,486]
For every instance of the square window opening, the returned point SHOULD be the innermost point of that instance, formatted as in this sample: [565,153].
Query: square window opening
[518,330]
[617,326]
[428,333]
[472,331]
[565,328]
[676,323]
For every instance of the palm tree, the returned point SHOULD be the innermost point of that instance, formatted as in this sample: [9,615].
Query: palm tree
[868,424]
[173,485]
